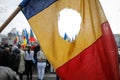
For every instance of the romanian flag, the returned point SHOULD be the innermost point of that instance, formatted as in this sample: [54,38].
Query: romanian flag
[24,38]
[16,39]
[26,35]
[19,39]
[92,56]
[24,42]
[32,38]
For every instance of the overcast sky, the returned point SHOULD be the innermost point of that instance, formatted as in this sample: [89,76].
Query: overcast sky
[111,9]
[6,9]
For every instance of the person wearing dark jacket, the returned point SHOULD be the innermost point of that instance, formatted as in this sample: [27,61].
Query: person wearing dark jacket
[7,73]
[15,59]
[29,54]
[6,58]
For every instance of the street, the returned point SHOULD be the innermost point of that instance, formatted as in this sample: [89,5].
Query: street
[48,75]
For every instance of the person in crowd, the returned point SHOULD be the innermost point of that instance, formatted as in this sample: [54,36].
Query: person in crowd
[36,49]
[7,73]
[1,48]
[13,47]
[21,68]
[57,78]
[29,62]
[1,56]
[41,64]
[15,58]
[6,57]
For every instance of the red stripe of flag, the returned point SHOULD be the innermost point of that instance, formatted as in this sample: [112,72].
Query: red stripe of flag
[97,62]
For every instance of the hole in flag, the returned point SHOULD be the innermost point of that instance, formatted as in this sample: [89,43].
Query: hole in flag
[69,24]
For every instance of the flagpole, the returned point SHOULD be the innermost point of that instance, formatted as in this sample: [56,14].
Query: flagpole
[10,18]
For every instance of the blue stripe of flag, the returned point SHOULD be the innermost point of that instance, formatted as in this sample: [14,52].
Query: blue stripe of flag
[32,7]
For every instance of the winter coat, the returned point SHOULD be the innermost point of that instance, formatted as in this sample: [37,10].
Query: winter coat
[7,73]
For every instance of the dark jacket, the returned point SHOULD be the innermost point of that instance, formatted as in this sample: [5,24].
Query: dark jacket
[7,74]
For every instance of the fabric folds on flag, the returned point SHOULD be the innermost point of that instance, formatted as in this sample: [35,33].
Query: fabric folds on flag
[92,56]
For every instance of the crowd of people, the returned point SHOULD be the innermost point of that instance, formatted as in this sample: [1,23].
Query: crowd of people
[21,60]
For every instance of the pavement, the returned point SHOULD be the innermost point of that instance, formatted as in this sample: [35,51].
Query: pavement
[48,76]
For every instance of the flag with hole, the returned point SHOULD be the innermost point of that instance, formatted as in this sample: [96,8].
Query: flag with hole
[93,55]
